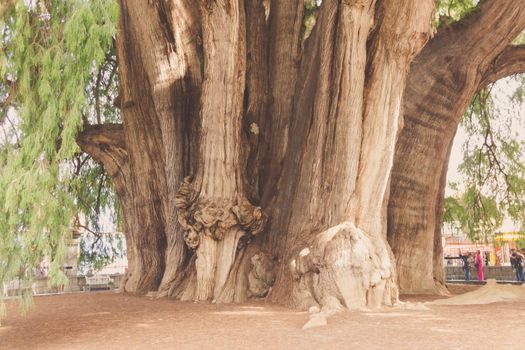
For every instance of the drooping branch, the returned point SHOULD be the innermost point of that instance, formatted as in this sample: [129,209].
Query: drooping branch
[511,61]
[11,93]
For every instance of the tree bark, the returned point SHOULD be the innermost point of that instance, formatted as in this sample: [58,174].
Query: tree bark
[160,75]
[326,218]
[443,79]
[213,208]
[232,120]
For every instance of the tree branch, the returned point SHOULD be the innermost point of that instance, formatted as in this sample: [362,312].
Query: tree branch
[482,35]
[510,61]
[494,23]
[106,144]
[13,87]
[95,233]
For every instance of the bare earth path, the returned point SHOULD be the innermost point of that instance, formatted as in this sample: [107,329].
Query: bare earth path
[107,320]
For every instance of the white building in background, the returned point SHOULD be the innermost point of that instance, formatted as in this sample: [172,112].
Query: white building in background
[119,266]
[72,254]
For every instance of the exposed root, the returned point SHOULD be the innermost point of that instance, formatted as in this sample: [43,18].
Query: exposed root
[262,275]
[345,268]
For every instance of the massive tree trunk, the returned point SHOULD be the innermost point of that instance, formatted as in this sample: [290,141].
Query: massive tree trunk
[456,63]
[253,162]
[328,210]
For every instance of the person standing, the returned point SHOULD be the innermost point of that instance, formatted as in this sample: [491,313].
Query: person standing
[522,263]
[517,260]
[466,265]
[479,266]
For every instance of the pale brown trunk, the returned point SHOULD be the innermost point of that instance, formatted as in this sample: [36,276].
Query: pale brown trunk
[207,214]
[158,79]
[327,213]
[213,207]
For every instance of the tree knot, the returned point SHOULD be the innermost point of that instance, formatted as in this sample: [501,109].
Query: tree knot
[214,217]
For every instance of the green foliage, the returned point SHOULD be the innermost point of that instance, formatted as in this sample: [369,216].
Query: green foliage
[493,183]
[449,11]
[520,39]
[97,250]
[310,12]
[473,214]
[96,206]
[520,242]
[49,51]
[95,199]
[101,91]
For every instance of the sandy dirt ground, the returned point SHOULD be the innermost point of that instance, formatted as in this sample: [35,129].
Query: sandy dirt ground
[106,320]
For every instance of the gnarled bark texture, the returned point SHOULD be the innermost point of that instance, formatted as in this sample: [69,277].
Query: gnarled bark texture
[254,163]
[328,210]
[443,79]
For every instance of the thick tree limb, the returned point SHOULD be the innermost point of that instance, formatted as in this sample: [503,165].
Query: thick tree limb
[487,30]
[442,81]
[510,61]
[105,143]
[158,69]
